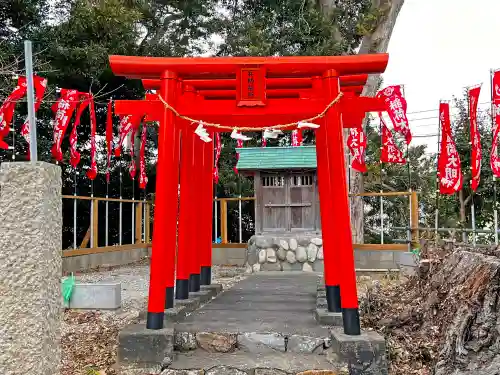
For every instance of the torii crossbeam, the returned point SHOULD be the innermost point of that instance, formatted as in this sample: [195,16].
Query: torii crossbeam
[246,94]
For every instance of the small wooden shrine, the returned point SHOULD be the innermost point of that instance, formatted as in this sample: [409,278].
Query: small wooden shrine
[286,188]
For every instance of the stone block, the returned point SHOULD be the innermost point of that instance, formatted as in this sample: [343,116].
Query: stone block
[318,266]
[291,266]
[203,296]
[189,305]
[322,293]
[254,342]
[31,262]
[174,314]
[137,344]
[305,344]
[321,303]
[364,353]
[271,267]
[185,341]
[214,289]
[98,296]
[217,342]
[327,318]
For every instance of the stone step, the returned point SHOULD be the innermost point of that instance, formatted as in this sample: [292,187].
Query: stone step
[250,342]
[241,363]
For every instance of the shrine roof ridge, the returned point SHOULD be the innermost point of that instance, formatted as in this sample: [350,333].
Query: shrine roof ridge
[220,67]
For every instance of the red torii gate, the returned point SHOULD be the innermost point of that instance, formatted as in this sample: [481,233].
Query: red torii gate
[247,94]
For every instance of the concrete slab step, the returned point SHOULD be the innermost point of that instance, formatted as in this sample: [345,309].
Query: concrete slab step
[240,363]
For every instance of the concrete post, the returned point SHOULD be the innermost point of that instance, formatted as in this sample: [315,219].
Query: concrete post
[31,268]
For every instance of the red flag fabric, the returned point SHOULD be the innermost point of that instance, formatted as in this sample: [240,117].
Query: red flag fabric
[449,167]
[356,141]
[63,110]
[40,84]
[92,172]
[132,169]
[495,98]
[264,141]
[109,139]
[296,138]
[7,110]
[476,153]
[239,144]
[143,178]
[73,138]
[390,153]
[396,108]
[218,149]
[127,124]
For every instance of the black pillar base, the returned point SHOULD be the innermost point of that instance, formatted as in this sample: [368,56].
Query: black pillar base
[333,298]
[182,289]
[154,320]
[194,282]
[206,275]
[169,297]
[350,317]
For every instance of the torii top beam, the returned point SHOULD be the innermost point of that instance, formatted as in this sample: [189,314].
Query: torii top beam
[227,67]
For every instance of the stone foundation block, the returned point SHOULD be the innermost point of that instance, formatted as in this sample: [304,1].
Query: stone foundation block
[189,305]
[322,293]
[306,345]
[174,314]
[255,342]
[96,296]
[327,318]
[137,344]
[214,289]
[203,295]
[321,303]
[365,354]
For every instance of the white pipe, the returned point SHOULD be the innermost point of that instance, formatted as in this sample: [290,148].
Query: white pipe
[107,221]
[495,214]
[74,222]
[133,221]
[381,219]
[120,224]
[215,220]
[240,225]
[473,214]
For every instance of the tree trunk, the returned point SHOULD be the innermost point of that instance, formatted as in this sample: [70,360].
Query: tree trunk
[375,42]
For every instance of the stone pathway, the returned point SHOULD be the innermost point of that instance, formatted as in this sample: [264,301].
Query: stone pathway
[266,302]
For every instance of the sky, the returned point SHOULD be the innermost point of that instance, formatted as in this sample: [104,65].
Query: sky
[438,47]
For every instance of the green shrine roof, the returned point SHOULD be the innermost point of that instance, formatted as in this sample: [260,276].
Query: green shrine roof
[255,158]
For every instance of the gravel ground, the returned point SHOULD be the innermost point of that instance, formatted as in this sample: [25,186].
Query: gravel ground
[89,339]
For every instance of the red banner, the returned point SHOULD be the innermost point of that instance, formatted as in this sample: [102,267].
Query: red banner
[296,138]
[449,168]
[218,150]
[92,172]
[476,153]
[40,86]
[390,153]
[495,98]
[127,124]
[356,141]
[73,137]
[132,169]
[7,110]
[63,110]
[109,139]
[239,144]
[143,178]
[396,108]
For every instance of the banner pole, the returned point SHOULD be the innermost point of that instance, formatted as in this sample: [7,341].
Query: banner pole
[28,58]
[436,214]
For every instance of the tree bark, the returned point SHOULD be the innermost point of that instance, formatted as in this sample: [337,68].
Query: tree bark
[375,42]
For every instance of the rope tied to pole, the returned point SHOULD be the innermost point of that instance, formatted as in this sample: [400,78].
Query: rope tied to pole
[230,128]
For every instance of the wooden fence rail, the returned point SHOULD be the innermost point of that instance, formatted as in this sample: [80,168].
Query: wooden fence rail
[142,220]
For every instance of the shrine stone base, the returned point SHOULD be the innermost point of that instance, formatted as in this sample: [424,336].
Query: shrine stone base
[285,253]
[304,252]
